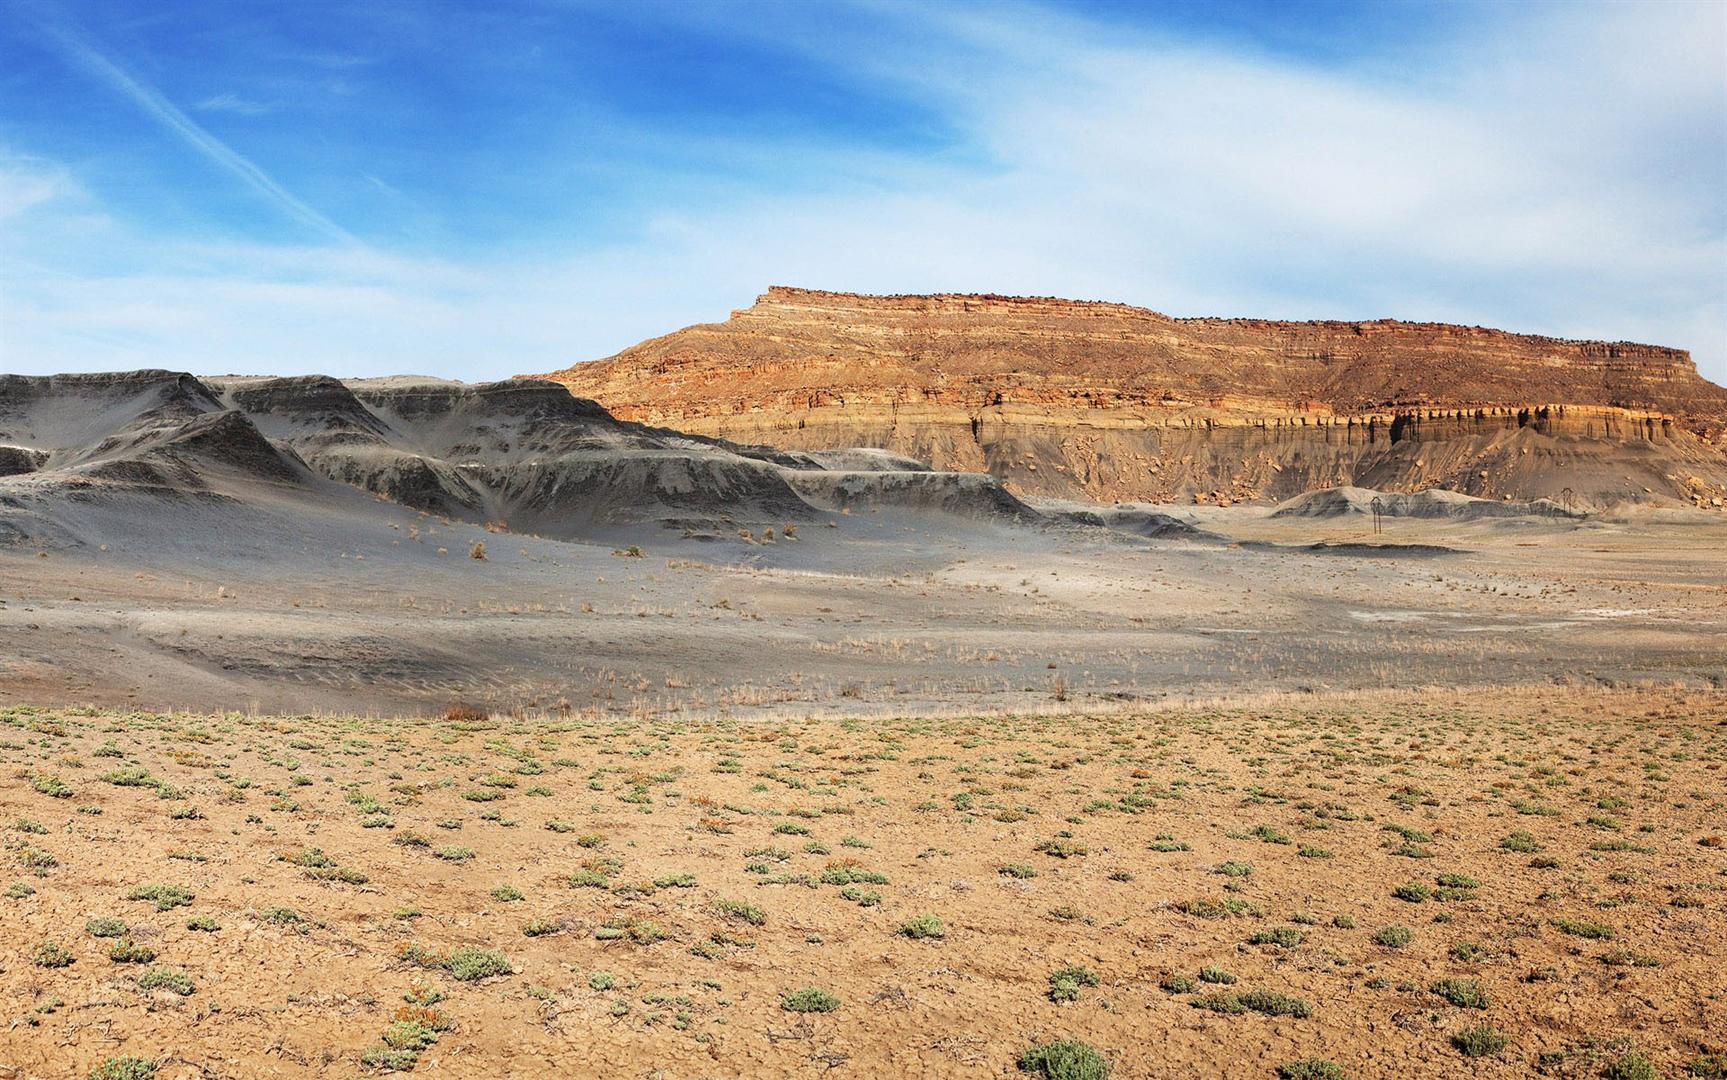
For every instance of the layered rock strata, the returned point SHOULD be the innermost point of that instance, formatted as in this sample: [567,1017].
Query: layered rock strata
[1109,403]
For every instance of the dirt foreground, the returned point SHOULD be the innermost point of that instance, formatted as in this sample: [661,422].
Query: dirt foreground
[1387,882]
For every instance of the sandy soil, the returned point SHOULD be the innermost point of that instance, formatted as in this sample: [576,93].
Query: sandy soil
[655,887]
[305,607]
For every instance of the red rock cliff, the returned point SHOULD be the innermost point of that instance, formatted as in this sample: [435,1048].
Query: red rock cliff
[1112,402]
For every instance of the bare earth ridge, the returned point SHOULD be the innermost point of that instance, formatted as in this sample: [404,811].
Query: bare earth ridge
[1110,402]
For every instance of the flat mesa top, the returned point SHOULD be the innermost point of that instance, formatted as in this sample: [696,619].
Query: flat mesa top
[976,303]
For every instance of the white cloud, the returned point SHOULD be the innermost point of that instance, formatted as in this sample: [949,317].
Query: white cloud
[231,103]
[171,117]
[1552,172]
[24,184]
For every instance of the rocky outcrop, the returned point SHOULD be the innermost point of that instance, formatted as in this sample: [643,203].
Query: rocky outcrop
[1114,403]
[161,430]
[1447,505]
[967,495]
[17,460]
[522,453]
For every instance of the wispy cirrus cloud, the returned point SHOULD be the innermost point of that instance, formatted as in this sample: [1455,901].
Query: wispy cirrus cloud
[158,108]
[231,103]
[28,182]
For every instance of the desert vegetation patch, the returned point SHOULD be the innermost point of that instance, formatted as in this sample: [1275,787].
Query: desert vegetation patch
[1529,883]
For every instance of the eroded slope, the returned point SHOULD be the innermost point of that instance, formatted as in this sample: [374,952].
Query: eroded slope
[523,453]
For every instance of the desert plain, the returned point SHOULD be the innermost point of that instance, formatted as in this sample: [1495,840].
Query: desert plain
[897,794]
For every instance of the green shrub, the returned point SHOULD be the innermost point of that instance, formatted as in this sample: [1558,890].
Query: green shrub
[1261,1001]
[128,776]
[52,954]
[1520,841]
[281,916]
[165,897]
[1483,1041]
[470,963]
[809,1000]
[389,1060]
[51,786]
[166,979]
[105,926]
[1465,952]
[1310,1069]
[1065,1059]
[1630,1066]
[1206,908]
[124,1068]
[1065,983]
[738,909]
[409,1035]
[861,897]
[923,926]
[1228,1004]
[1393,936]
[126,951]
[1275,1004]
[1463,993]
[846,875]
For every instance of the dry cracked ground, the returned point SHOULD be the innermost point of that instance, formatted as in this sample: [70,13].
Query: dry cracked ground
[1472,884]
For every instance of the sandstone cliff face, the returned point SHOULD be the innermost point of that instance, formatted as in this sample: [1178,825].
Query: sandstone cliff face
[1111,403]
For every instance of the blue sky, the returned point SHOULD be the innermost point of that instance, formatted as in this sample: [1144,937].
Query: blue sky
[482,189]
